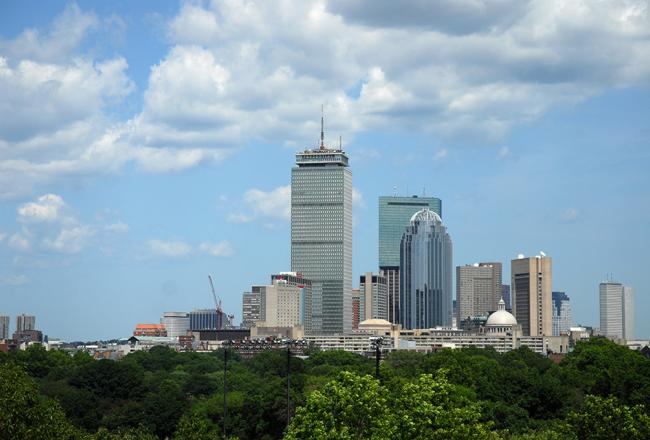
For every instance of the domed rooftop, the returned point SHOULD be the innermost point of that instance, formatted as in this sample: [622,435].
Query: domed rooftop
[374,322]
[425,215]
[501,317]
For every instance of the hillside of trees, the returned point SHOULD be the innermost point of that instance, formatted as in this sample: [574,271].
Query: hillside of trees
[599,391]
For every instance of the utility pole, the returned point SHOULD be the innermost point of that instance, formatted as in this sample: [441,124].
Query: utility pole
[288,382]
[377,359]
[225,388]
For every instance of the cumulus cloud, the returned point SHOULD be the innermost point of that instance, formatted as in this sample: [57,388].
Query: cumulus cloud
[70,240]
[273,204]
[46,208]
[13,280]
[169,248]
[118,227]
[504,152]
[238,72]
[441,154]
[570,215]
[357,198]
[19,242]
[221,249]
[2,236]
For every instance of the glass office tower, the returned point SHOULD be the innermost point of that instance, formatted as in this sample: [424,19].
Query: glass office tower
[394,216]
[426,271]
[321,235]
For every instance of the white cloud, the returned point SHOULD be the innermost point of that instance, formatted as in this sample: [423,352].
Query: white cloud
[240,218]
[70,240]
[169,248]
[357,198]
[274,204]
[19,242]
[570,215]
[504,152]
[46,208]
[2,236]
[440,154]
[13,280]
[221,249]
[118,227]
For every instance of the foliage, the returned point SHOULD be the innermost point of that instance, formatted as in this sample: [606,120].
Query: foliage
[482,394]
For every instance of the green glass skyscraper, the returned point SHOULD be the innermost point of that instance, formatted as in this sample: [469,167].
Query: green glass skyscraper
[394,216]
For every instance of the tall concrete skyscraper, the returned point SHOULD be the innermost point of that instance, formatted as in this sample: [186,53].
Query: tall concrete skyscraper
[373,297]
[25,322]
[616,310]
[478,289]
[394,216]
[530,288]
[4,327]
[561,313]
[426,272]
[321,234]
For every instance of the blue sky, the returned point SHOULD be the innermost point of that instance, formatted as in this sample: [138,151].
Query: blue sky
[145,145]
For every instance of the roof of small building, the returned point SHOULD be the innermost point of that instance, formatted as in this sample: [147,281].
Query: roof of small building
[374,322]
[501,316]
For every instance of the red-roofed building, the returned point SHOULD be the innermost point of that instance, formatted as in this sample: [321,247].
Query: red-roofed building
[150,330]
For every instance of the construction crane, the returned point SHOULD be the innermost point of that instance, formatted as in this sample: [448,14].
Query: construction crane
[217,305]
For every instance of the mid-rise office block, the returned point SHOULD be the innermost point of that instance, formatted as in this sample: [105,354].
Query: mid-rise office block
[282,304]
[561,314]
[4,327]
[304,285]
[321,235]
[205,319]
[478,289]
[25,323]
[425,273]
[356,316]
[251,307]
[373,297]
[616,310]
[531,287]
[176,323]
[394,216]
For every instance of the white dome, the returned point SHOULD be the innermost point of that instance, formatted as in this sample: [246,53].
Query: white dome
[426,215]
[501,318]
[374,322]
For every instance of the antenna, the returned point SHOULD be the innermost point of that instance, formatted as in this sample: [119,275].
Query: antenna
[322,127]
[394,191]
[340,143]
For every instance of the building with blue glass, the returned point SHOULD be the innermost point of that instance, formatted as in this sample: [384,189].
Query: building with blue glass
[426,271]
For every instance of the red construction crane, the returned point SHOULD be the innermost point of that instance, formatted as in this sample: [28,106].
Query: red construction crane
[217,305]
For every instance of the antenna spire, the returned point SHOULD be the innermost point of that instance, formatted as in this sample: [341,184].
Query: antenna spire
[322,127]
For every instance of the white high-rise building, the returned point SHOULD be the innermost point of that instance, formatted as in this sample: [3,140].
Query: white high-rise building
[321,235]
[176,323]
[616,310]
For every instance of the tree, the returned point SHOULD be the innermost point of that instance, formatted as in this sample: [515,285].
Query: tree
[435,409]
[195,427]
[348,407]
[606,418]
[24,414]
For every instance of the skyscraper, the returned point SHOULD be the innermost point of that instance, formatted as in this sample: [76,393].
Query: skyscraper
[321,234]
[394,216]
[505,293]
[530,289]
[616,310]
[25,323]
[426,272]
[561,313]
[478,289]
[373,297]
[251,307]
[4,327]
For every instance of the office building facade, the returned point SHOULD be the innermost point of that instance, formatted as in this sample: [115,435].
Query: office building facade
[394,216]
[373,297]
[561,313]
[530,289]
[478,289]
[356,315]
[176,323]
[321,235]
[251,307]
[616,310]
[426,271]
[205,319]
[4,327]
[505,294]
[25,323]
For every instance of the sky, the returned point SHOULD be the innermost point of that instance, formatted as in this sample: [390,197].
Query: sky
[145,145]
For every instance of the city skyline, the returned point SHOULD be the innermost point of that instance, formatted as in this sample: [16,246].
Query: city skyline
[163,154]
